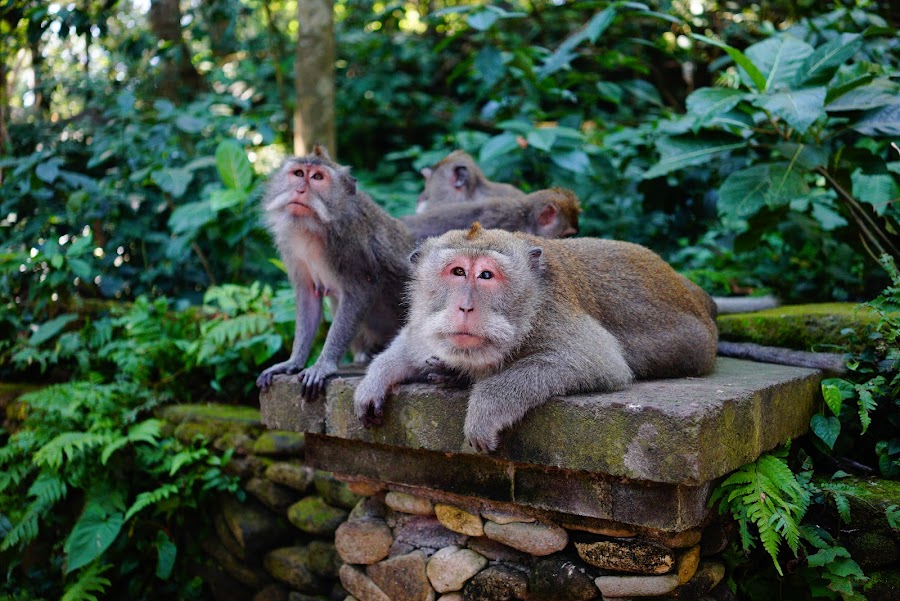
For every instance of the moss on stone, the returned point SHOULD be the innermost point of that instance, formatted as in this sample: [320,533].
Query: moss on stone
[883,585]
[231,414]
[868,501]
[805,327]
[314,516]
[279,442]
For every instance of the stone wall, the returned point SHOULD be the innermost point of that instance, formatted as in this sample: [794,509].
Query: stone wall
[401,546]
[277,544]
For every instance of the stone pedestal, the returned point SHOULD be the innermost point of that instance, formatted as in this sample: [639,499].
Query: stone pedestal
[589,496]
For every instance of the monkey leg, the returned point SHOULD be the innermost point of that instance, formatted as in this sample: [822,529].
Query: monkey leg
[396,364]
[581,356]
[352,306]
[307,315]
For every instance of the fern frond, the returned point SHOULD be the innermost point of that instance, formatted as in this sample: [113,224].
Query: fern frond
[48,489]
[72,445]
[145,499]
[867,404]
[90,581]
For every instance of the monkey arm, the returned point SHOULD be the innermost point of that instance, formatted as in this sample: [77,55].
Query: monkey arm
[397,363]
[581,356]
[307,316]
[353,304]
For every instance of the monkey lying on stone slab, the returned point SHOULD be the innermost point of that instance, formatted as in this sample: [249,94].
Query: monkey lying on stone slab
[528,319]
[549,213]
[334,240]
[456,178]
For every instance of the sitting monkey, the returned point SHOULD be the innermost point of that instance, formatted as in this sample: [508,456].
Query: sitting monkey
[455,179]
[528,319]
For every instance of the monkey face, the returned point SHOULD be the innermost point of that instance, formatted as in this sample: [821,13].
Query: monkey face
[301,189]
[472,306]
[452,180]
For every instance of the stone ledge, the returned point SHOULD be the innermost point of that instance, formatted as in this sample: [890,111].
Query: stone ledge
[682,432]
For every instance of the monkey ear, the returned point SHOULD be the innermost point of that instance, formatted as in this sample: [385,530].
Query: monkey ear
[460,176]
[414,256]
[549,214]
[350,184]
[534,257]
[426,172]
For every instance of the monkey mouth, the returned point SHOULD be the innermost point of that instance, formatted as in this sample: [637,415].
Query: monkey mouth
[466,340]
[296,207]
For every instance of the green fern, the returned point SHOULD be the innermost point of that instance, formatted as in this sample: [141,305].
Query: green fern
[90,581]
[72,445]
[766,494]
[47,490]
[152,497]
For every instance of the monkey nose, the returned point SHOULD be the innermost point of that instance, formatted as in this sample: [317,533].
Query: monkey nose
[467,309]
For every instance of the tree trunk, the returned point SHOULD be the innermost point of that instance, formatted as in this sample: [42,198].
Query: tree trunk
[37,66]
[276,53]
[4,110]
[177,73]
[314,70]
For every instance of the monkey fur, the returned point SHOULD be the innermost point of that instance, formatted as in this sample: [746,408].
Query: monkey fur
[457,178]
[529,318]
[334,241]
[549,213]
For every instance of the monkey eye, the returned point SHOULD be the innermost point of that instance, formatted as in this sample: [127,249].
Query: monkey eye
[317,175]
[485,275]
[459,271]
[299,172]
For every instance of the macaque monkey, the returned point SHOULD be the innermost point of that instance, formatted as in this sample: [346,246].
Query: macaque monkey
[456,178]
[334,241]
[549,213]
[529,318]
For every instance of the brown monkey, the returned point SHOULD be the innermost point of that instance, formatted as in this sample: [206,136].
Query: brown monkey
[334,241]
[456,178]
[549,213]
[529,318]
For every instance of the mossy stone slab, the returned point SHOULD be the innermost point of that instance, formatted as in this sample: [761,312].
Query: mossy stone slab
[211,412]
[815,327]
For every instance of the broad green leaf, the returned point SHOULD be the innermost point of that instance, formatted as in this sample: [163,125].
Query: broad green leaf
[166,552]
[600,23]
[828,218]
[706,103]
[173,180]
[125,101]
[826,428]
[820,66]
[880,92]
[833,397]
[190,124]
[191,217]
[741,60]
[47,171]
[225,199]
[876,189]
[92,534]
[745,192]
[808,156]
[542,139]
[733,119]
[576,161]
[880,122]
[798,108]
[49,329]
[201,163]
[686,151]
[482,20]
[609,91]
[233,165]
[489,65]
[497,146]
[779,59]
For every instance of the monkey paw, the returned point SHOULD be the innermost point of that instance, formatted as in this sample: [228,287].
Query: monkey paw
[285,367]
[441,374]
[312,381]
[369,410]
[483,438]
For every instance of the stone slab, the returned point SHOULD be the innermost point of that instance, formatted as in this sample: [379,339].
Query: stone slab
[669,507]
[686,431]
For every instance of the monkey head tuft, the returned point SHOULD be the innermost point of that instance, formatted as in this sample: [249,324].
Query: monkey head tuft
[474,231]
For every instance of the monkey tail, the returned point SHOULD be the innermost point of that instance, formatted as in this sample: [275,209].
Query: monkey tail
[831,362]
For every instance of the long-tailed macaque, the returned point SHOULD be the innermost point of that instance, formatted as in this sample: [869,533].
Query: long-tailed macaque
[528,318]
[551,213]
[456,178]
[334,241]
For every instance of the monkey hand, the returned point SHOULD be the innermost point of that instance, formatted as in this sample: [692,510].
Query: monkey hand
[482,433]
[291,366]
[441,374]
[368,401]
[312,380]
